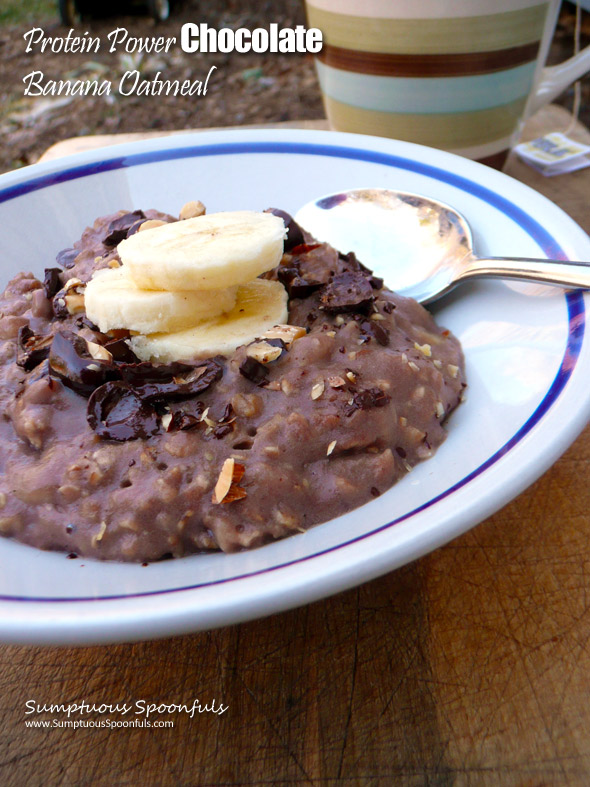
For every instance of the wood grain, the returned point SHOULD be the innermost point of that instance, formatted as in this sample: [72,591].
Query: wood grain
[467,667]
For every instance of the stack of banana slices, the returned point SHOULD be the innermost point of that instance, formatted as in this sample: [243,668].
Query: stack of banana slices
[188,289]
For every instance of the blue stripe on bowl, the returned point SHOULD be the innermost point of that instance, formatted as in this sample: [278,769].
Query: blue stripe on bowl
[574,300]
[426,95]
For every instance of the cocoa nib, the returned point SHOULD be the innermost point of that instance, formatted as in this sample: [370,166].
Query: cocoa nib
[117,412]
[254,371]
[51,282]
[294,231]
[31,349]
[119,227]
[347,292]
[376,331]
[366,399]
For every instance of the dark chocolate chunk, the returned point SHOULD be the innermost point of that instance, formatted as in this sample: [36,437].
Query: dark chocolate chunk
[170,381]
[295,284]
[67,257]
[367,399]
[254,371]
[377,331]
[31,350]
[222,430]
[401,452]
[117,412]
[183,421]
[52,282]
[294,231]
[353,264]
[121,351]
[347,292]
[134,227]
[70,361]
[119,227]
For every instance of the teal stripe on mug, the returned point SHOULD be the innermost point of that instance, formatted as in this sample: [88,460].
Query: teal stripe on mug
[429,96]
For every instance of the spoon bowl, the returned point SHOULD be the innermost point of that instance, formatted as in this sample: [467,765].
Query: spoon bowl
[421,247]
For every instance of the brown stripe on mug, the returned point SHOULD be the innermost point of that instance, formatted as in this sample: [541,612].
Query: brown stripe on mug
[443,65]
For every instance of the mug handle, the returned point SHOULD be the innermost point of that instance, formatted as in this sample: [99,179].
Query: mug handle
[555,79]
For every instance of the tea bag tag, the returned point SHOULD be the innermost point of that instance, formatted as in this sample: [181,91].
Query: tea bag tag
[554,154]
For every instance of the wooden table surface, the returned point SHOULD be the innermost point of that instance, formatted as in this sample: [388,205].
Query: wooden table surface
[470,666]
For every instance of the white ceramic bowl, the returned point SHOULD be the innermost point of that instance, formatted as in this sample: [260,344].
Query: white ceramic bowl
[528,365]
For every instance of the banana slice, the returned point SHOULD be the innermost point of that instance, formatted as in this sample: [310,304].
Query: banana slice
[207,252]
[113,300]
[260,305]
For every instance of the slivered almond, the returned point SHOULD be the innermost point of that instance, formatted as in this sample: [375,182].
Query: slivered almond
[227,489]
[317,390]
[452,369]
[192,209]
[331,447]
[150,224]
[336,382]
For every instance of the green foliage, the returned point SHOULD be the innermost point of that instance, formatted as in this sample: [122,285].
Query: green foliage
[28,11]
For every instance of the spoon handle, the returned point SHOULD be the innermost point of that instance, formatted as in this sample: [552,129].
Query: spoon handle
[558,272]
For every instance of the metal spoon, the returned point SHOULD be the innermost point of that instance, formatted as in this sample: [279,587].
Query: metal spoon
[422,247]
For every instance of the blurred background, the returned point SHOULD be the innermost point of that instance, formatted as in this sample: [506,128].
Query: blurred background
[245,89]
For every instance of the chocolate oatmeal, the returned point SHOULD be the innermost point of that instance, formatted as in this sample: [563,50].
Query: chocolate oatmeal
[111,457]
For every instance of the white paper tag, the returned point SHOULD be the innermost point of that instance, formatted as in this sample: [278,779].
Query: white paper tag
[554,154]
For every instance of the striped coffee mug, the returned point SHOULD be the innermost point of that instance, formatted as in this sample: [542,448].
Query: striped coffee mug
[461,75]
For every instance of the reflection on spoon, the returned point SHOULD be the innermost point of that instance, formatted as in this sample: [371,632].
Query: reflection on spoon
[422,247]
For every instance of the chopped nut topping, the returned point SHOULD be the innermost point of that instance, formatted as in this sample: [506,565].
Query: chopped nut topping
[190,210]
[263,352]
[404,358]
[331,447]
[288,333]
[403,420]
[114,263]
[227,489]
[436,363]
[150,224]
[352,355]
[336,382]
[425,349]
[440,410]
[377,316]
[317,390]
[74,303]
[339,320]
[166,420]
[97,537]
[98,352]
[453,370]
[331,334]
[413,366]
[351,376]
